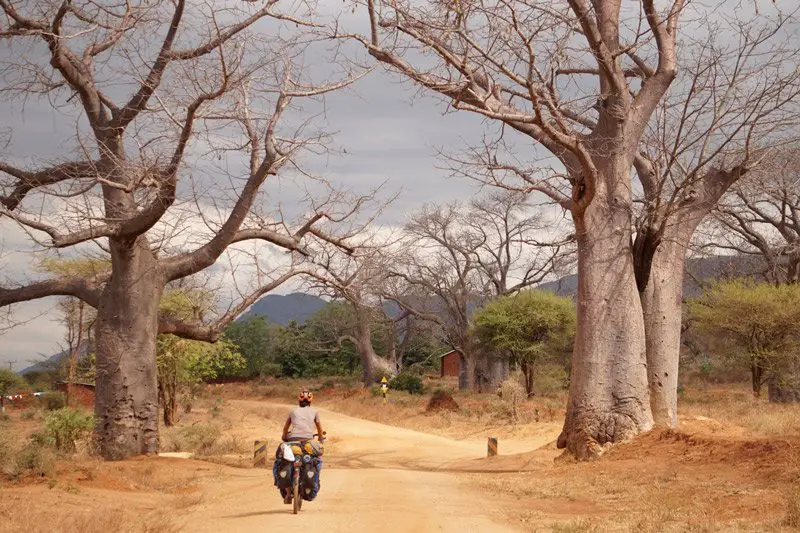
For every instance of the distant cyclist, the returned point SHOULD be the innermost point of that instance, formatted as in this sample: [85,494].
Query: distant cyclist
[302,420]
[299,428]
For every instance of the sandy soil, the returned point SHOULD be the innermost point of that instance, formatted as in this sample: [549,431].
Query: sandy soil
[705,477]
[375,477]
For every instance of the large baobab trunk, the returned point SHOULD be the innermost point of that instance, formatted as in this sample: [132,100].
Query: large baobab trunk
[662,309]
[608,389]
[497,371]
[372,366]
[467,375]
[126,403]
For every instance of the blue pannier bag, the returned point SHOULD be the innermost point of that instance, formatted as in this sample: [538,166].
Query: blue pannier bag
[312,471]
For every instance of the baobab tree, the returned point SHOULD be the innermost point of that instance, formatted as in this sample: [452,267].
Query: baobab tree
[733,103]
[212,89]
[585,82]
[506,61]
[458,257]
[357,275]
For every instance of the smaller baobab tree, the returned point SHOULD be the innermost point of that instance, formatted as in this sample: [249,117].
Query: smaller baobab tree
[212,96]
[358,278]
[457,258]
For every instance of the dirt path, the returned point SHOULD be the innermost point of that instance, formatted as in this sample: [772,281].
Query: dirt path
[375,477]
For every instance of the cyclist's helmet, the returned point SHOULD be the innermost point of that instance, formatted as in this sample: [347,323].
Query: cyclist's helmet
[305,396]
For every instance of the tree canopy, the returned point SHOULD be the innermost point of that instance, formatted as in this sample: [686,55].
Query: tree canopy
[532,327]
[759,321]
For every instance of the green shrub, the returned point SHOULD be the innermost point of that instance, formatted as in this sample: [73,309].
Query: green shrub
[42,438]
[30,414]
[407,382]
[66,425]
[54,401]
[550,379]
[201,438]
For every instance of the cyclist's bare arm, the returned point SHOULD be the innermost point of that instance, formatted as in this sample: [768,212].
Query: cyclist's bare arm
[286,427]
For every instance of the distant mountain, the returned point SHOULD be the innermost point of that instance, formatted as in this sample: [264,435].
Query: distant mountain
[52,363]
[283,308]
[698,272]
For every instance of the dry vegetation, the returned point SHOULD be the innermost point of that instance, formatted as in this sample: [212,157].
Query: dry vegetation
[733,465]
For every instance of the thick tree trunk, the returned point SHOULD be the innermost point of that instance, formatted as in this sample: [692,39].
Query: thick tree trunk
[496,372]
[756,375]
[662,295]
[467,376]
[372,366]
[608,397]
[126,403]
[662,308]
[528,374]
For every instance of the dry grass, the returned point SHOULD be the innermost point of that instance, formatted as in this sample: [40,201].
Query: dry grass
[657,486]
[736,406]
[27,517]
[477,413]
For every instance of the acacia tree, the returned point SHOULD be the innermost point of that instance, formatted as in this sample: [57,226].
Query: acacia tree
[533,327]
[212,85]
[456,258]
[183,363]
[760,321]
[585,81]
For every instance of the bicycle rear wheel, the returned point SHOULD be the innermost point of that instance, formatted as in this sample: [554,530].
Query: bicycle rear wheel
[297,500]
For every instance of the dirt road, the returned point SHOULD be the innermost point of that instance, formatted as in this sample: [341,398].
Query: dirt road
[375,478]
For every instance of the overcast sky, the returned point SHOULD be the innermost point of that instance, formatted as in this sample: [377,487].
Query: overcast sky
[391,135]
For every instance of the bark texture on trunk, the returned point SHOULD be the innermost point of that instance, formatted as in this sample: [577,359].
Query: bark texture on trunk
[757,377]
[662,308]
[608,397]
[466,378]
[660,259]
[168,391]
[126,404]
[372,365]
[528,372]
[495,370]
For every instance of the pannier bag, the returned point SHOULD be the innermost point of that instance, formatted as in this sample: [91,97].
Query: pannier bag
[282,470]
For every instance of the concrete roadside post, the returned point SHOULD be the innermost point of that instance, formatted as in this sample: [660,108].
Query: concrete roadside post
[491,450]
[260,454]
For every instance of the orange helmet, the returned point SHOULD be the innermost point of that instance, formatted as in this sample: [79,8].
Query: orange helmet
[305,396]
